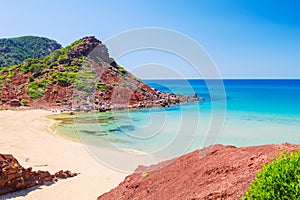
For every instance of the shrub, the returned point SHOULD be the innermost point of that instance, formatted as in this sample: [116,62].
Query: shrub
[101,86]
[34,94]
[280,179]
[55,91]
[81,86]
[31,79]
[145,175]
[37,89]
[10,74]
[63,81]
[24,102]
[58,101]
[121,69]
[21,86]
[63,59]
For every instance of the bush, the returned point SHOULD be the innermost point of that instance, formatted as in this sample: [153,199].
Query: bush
[31,79]
[145,175]
[24,102]
[37,89]
[279,179]
[101,86]
[34,94]
[63,59]
[121,69]
[63,81]
[82,86]
[21,86]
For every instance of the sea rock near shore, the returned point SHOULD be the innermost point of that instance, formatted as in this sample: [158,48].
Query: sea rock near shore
[217,172]
[14,177]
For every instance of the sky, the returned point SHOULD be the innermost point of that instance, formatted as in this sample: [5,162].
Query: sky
[244,38]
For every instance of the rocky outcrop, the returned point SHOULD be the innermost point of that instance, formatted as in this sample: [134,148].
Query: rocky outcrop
[218,172]
[14,177]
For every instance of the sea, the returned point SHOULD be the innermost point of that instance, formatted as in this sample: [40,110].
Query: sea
[234,112]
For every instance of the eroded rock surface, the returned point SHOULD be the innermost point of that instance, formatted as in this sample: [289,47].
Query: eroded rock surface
[218,172]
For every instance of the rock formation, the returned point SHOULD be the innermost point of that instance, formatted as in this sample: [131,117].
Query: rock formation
[218,172]
[80,76]
[14,177]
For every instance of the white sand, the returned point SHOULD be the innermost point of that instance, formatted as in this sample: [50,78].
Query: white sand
[26,135]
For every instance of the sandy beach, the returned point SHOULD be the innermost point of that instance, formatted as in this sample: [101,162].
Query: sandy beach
[27,135]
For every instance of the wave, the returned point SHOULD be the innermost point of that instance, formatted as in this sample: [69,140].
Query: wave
[134,151]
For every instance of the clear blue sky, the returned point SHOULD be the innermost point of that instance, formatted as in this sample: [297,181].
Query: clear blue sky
[249,38]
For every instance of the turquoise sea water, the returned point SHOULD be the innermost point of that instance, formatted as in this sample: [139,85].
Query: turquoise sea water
[257,112]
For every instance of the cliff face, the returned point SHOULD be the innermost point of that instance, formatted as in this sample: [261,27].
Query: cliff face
[80,76]
[14,177]
[224,173]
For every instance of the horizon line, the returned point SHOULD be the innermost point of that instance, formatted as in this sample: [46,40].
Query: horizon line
[250,78]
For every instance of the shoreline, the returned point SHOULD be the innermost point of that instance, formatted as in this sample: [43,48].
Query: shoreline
[28,135]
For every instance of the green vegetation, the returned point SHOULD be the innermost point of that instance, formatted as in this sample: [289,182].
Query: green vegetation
[55,68]
[63,67]
[15,50]
[145,175]
[82,86]
[24,102]
[37,89]
[136,78]
[279,179]
[101,86]
[121,69]
[21,86]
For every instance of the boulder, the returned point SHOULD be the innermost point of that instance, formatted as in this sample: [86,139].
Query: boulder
[14,177]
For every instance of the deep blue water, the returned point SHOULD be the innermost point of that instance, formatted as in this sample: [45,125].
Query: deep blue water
[242,113]
[255,96]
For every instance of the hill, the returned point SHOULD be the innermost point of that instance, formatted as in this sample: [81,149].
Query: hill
[16,50]
[80,76]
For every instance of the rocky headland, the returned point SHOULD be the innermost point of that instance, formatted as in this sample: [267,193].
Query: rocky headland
[217,172]
[79,77]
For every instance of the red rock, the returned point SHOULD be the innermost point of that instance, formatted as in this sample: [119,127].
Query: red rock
[218,172]
[120,89]
[14,177]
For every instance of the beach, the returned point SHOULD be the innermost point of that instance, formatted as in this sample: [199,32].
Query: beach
[27,135]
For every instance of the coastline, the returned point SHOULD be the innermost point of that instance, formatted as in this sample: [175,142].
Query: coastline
[28,135]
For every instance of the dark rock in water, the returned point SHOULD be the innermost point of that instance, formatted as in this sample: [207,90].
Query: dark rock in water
[14,177]
[216,172]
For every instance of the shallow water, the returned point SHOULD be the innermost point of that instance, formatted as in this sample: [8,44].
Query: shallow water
[257,112]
